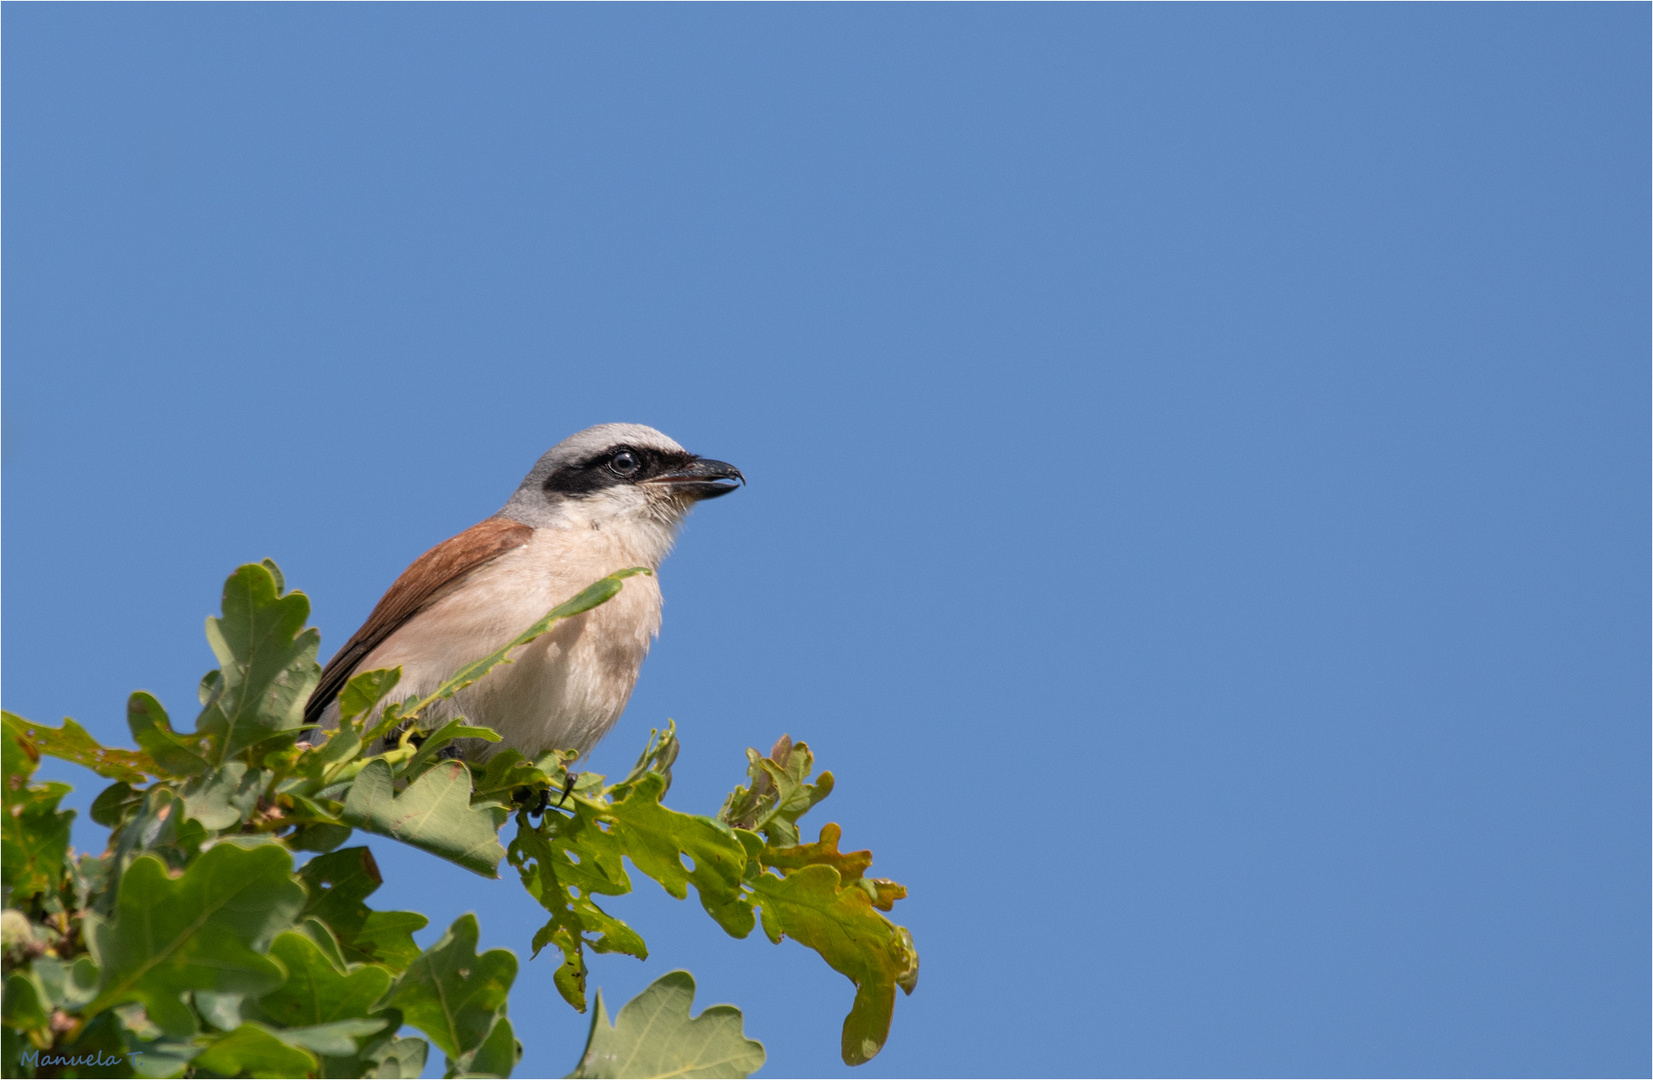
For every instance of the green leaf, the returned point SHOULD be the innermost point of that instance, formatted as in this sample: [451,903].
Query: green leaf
[21,759]
[318,837]
[399,1059]
[598,592]
[160,827]
[328,1011]
[99,1041]
[204,930]
[24,1003]
[267,662]
[497,1056]
[432,744]
[12,1044]
[152,730]
[365,690]
[840,923]
[338,884]
[360,696]
[563,863]
[89,877]
[324,939]
[71,743]
[160,1057]
[212,684]
[654,1036]
[387,936]
[255,1050]
[68,986]
[222,1011]
[225,796]
[780,793]
[657,757]
[656,839]
[34,838]
[434,814]
[504,776]
[339,1040]
[452,994]
[116,803]
[316,992]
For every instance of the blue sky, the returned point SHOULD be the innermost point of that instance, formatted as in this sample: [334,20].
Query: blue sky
[1198,459]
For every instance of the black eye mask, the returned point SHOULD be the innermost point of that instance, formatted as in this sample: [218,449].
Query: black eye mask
[599,472]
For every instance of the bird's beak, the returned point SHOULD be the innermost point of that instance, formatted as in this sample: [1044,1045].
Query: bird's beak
[702,478]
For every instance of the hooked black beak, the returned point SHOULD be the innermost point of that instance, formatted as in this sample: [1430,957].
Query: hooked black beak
[702,478]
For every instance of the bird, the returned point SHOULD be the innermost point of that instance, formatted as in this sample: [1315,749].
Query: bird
[604,499]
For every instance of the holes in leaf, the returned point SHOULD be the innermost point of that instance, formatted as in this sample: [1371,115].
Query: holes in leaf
[688,863]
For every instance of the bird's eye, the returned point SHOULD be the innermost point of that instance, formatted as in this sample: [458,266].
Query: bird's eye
[625,463]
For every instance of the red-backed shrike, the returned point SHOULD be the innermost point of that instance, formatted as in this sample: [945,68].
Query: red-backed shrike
[607,498]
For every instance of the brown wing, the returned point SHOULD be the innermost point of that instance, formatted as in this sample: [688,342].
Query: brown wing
[430,575]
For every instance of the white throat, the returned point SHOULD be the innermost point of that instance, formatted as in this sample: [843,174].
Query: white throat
[642,526]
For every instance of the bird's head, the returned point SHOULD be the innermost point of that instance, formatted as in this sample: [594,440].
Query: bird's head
[619,476]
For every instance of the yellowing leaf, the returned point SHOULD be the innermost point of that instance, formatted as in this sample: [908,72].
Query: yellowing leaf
[71,743]
[851,865]
[34,837]
[809,906]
